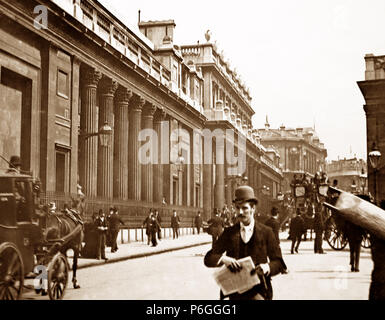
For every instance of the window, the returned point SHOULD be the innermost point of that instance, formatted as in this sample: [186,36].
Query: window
[175,191]
[62,84]
[61,170]
[197,194]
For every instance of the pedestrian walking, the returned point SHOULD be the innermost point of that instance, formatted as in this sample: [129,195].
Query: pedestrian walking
[108,234]
[248,238]
[273,222]
[146,224]
[297,228]
[114,222]
[175,221]
[354,234]
[159,220]
[198,222]
[319,228]
[101,225]
[154,227]
[216,226]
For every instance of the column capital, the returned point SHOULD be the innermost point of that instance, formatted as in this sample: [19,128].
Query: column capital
[160,114]
[91,76]
[137,102]
[149,109]
[123,94]
[108,86]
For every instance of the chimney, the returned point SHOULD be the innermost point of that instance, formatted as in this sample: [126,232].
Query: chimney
[299,132]
[159,32]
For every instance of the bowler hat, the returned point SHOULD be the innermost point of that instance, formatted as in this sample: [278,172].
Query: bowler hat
[245,193]
[15,161]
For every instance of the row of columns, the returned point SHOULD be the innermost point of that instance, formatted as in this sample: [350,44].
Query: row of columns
[115,170]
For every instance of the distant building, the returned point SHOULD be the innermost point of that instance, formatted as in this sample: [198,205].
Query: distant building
[351,174]
[299,149]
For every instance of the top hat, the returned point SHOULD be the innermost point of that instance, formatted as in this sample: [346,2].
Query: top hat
[245,193]
[15,161]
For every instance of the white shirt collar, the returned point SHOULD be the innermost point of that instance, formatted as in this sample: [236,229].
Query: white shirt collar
[247,231]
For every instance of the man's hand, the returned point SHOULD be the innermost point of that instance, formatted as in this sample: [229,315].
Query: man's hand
[261,269]
[231,263]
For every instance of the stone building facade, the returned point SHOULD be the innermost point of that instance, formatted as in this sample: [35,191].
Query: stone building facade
[68,67]
[300,151]
[373,91]
[351,174]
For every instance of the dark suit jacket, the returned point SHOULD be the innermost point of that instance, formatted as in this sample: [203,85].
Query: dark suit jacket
[175,221]
[274,225]
[198,221]
[216,225]
[261,246]
[297,226]
[114,222]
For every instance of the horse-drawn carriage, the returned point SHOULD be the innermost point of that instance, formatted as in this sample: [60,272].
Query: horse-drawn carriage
[32,245]
[309,198]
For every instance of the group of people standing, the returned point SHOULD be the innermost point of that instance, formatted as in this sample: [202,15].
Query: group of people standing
[105,229]
[153,225]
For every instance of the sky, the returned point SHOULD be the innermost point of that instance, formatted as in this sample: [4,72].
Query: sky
[300,59]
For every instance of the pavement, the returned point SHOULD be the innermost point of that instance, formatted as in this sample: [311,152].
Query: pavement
[140,249]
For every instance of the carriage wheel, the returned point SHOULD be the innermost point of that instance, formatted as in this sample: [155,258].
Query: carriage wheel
[57,277]
[366,241]
[334,237]
[11,272]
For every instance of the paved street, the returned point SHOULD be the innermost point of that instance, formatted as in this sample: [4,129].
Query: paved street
[180,274]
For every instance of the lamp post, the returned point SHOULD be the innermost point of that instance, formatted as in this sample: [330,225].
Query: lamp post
[104,133]
[374,157]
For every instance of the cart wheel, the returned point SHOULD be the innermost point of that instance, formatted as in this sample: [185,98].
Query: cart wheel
[11,272]
[366,241]
[334,237]
[57,277]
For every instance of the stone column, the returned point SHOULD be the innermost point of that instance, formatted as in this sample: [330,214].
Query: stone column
[207,190]
[167,181]
[106,153]
[219,196]
[88,124]
[122,98]
[147,169]
[160,115]
[134,170]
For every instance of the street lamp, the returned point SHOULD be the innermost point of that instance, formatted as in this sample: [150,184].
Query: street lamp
[265,190]
[105,134]
[374,157]
[180,162]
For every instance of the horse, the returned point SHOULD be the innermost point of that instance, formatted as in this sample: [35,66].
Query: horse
[66,226]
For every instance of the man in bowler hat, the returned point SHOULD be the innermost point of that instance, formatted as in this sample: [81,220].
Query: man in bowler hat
[246,238]
[14,165]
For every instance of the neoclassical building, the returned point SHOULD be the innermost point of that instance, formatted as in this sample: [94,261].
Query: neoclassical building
[351,174]
[71,71]
[300,151]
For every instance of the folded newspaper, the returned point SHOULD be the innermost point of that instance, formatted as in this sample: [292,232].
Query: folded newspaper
[231,282]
